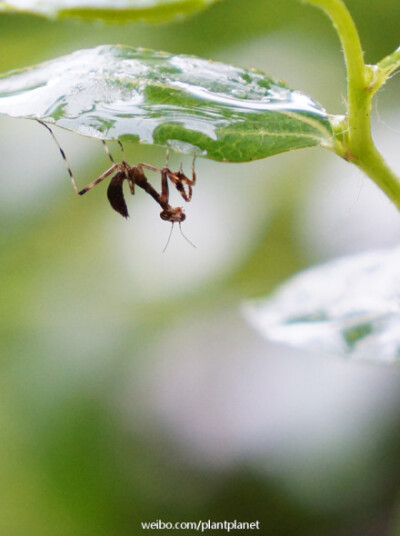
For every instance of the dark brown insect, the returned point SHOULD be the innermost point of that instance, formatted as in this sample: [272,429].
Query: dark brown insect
[135,176]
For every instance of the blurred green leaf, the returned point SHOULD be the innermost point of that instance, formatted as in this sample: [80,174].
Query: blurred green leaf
[191,105]
[108,10]
[346,307]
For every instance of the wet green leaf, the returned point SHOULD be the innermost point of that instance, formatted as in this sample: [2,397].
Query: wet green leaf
[108,10]
[186,103]
[349,306]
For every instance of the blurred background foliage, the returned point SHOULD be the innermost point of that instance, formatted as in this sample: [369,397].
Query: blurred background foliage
[131,388]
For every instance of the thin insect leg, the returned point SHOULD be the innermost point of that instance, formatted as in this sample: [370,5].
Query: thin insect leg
[193,171]
[182,176]
[186,180]
[153,168]
[180,180]
[179,185]
[107,150]
[122,149]
[125,168]
[149,167]
[169,238]
[185,237]
[131,184]
[62,154]
[103,176]
[164,197]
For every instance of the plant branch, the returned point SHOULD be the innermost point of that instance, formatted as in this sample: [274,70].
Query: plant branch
[352,134]
[357,79]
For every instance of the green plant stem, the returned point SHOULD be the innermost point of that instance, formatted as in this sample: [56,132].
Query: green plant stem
[353,140]
[373,164]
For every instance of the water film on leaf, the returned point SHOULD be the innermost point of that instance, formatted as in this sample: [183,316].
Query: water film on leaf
[348,307]
[185,103]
